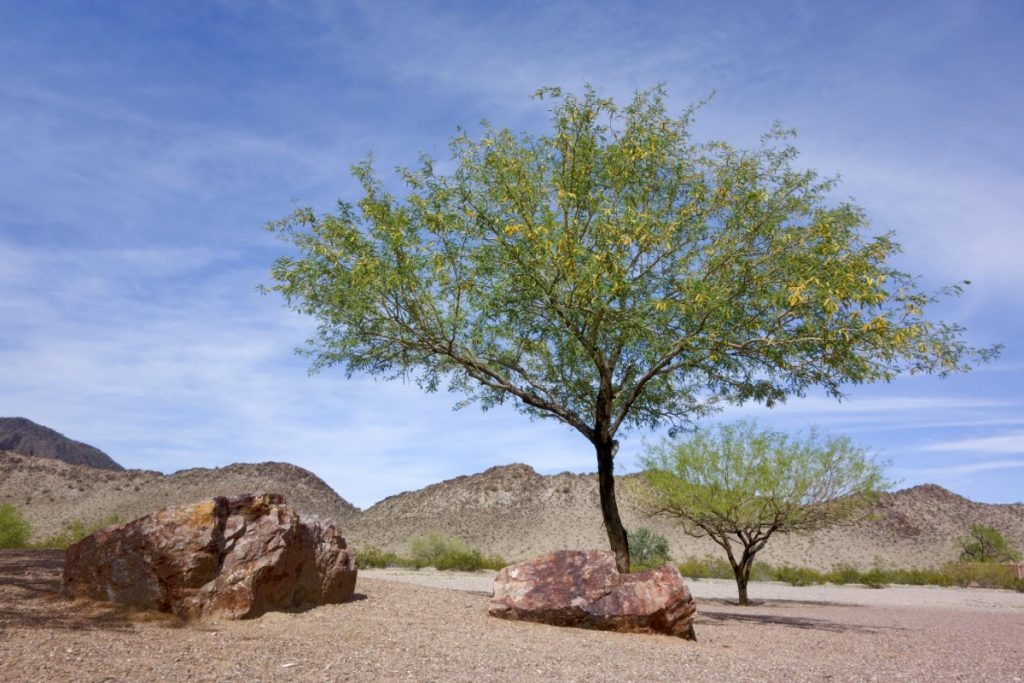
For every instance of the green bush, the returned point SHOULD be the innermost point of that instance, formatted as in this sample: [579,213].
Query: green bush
[875,578]
[375,557]
[706,568]
[14,528]
[75,531]
[841,574]
[798,576]
[648,549]
[983,574]
[918,577]
[448,552]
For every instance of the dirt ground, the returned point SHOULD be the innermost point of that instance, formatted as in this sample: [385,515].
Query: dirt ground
[395,630]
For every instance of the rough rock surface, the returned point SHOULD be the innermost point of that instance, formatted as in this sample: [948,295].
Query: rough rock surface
[227,557]
[583,588]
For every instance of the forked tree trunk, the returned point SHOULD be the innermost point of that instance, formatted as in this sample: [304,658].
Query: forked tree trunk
[609,508]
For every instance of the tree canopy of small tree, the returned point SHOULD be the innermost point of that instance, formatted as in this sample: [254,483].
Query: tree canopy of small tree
[985,544]
[611,274]
[739,485]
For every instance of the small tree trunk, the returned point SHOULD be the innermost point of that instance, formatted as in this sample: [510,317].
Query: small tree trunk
[741,585]
[742,572]
[609,508]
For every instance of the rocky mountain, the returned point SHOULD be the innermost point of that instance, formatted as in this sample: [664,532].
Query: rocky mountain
[24,436]
[51,493]
[511,510]
[518,513]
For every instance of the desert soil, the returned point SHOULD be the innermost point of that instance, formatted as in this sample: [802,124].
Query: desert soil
[437,629]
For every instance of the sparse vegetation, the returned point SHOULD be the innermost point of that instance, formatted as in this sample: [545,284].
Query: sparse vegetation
[432,550]
[964,574]
[447,552]
[648,549]
[75,531]
[373,557]
[14,528]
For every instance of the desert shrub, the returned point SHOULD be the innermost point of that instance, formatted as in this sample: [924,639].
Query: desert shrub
[798,576]
[918,577]
[983,574]
[647,549]
[75,531]
[375,557]
[448,552]
[761,571]
[14,528]
[842,573]
[705,568]
[875,577]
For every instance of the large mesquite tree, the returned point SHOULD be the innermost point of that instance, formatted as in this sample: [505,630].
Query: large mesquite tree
[611,274]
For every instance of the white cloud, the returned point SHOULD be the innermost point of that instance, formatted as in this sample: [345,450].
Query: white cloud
[1003,443]
[971,468]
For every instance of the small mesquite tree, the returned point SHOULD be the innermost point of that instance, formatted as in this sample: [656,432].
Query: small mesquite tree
[612,274]
[986,544]
[739,485]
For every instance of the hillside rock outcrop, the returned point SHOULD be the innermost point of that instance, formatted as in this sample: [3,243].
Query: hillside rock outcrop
[230,558]
[583,588]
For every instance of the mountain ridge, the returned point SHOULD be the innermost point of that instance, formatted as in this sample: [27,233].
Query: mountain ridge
[510,510]
[22,435]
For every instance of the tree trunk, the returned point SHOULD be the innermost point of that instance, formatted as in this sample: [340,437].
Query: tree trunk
[742,572]
[609,508]
[741,585]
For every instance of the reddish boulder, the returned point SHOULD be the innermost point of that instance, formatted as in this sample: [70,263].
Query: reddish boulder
[583,588]
[227,557]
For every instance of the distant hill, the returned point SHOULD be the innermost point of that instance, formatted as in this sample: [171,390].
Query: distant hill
[51,493]
[24,436]
[510,510]
[518,513]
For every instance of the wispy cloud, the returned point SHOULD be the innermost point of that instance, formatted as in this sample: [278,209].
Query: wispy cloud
[972,468]
[139,171]
[1003,443]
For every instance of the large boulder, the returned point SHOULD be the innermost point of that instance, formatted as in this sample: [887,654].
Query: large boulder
[227,557]
[583,588]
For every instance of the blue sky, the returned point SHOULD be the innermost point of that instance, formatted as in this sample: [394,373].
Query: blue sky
[143,146]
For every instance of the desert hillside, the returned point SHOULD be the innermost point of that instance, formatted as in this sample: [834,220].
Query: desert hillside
[21,435]
[511,510]
[51,493]
[518,513]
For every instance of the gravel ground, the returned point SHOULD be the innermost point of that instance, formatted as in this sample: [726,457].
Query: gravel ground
[395,630]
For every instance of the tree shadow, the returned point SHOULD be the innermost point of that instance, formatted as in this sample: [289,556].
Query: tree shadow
[777,602]
[798,622]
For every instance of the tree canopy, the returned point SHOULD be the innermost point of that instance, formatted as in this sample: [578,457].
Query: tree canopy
[986,544]
[611,274]
[740,484]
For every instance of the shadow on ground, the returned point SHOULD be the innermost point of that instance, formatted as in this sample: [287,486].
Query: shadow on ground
[754,615]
